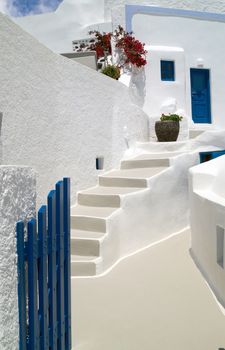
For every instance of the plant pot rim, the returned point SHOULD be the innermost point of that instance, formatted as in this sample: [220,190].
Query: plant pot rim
[166,121]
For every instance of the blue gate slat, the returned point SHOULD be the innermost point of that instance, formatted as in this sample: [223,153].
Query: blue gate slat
[52,269]
[60,265]
[32,286]
[45,323]
[66,206]
[43,279]
[21,285]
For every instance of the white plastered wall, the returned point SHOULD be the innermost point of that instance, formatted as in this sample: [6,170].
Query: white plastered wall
[207,202]
[190,35]
[17,202]
[69,22]
[115,8]
[58,116]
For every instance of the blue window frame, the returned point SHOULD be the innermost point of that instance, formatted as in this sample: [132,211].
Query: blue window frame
[206,156]
[167,70]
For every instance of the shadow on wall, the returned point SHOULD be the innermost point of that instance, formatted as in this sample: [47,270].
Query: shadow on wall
[137,87]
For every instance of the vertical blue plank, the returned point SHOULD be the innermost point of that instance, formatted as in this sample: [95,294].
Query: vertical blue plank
[21,285]
[43,278]
[67,280]
[60,265]
[32,286]
[52,270]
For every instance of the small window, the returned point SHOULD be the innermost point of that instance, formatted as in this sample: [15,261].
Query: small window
[220,245]
[167,71]
[206,156]
[99,163]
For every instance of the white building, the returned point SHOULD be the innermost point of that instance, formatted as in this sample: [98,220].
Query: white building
[185,71]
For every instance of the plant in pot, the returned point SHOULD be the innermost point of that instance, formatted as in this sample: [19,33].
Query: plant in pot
[111,71]
[167,129]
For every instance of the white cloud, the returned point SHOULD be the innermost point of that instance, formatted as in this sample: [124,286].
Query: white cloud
[42,7]
[3,6]
[8,7]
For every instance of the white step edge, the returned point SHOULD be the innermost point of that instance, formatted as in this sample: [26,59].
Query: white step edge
[85,266]
[145,163]
[101,196]
[87,243]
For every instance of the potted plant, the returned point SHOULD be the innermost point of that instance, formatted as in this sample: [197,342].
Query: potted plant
[167,129]
[111,71]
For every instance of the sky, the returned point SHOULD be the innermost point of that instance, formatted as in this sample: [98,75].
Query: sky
[27,7]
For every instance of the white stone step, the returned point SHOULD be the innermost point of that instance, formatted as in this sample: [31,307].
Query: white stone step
[90,218]
[159,147]
[193,133]
[104,196]
[85,265]
[146,161]
[86,243]
[129,178]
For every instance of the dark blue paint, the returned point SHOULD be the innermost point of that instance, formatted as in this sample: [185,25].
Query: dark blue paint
[167,70]
[52,270]
[43,278]
[21,285]
[206,156]
[48,287]
[32,283]
[66,206]
[200,95]
[60,265]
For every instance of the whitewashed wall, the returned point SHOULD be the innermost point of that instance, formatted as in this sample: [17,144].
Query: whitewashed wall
[17,202]
[197,39]
[58,116]
[69,22]
[207,201]
[115,8]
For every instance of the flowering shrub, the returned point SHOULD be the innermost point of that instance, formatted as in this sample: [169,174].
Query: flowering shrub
[102,43]
[133,49]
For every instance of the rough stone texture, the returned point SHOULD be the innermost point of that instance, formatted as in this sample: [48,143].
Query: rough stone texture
[117,7]
[58,116]
[17,201]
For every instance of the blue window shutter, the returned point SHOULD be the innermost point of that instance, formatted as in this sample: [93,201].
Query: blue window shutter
[167,71]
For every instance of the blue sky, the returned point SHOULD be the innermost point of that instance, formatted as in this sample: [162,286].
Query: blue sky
[25,7]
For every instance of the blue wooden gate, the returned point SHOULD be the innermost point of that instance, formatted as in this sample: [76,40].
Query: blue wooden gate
[44,284]
[200,95]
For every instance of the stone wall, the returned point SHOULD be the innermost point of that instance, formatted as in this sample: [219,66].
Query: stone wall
[17,202]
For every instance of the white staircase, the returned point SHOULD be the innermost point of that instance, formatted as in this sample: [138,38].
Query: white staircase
[92,242]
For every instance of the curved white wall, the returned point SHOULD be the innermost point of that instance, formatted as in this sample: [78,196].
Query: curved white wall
[207,201]
[58,116]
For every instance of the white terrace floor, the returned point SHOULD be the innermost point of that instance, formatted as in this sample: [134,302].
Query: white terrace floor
[154,300]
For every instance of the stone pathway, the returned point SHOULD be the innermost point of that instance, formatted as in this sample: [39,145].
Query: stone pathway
[154,300]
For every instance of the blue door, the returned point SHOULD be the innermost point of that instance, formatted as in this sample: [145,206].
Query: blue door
[200,95]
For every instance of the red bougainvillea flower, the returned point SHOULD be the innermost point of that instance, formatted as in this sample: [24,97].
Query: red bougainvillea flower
[133,49]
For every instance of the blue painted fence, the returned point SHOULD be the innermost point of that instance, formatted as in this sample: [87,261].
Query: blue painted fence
[44,284]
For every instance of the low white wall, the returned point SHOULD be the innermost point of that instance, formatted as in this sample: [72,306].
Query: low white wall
[207,202]
[58,116]
[157,212]
[17,202]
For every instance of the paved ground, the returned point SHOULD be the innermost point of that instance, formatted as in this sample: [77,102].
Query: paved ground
[154,300]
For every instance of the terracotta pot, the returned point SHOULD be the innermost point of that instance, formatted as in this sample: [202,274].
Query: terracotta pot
[167,131]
